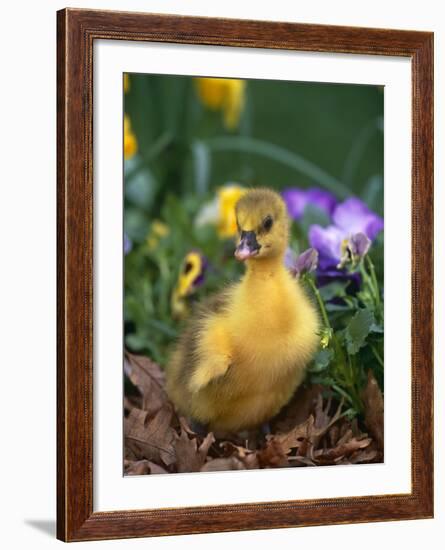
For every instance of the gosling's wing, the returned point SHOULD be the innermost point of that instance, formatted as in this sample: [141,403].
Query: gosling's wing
[204,344]
[211,371]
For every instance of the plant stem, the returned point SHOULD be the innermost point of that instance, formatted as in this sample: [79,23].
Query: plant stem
[376,355]
[374,280]
[324,313]
[343,361]
[371,283]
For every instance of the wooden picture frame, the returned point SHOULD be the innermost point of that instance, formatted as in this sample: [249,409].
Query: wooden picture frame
[76,32]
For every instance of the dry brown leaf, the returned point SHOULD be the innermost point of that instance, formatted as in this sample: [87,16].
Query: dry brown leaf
[307,435]
[373,402]
[309,431]
[148,377]
[330,456]
[293,439]
[301,461]
[333,435]
[136,467]
[189,456]
[363,456]
[247,456]
[142,467]
[298,410]
[150,437]
[223,464]
[131,402]
[347,436]
[273,455]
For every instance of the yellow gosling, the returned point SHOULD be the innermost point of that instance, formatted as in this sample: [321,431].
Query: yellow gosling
[244,352]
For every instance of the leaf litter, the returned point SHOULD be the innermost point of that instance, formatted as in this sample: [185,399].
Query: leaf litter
[312,430]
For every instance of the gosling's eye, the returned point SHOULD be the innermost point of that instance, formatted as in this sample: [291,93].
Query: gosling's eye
[267,223]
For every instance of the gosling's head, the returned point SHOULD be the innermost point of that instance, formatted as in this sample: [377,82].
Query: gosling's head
[263,225]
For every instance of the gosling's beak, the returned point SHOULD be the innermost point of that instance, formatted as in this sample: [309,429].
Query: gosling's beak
[248,246]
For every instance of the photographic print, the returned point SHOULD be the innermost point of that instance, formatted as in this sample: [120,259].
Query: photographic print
[253,274]
[227,243]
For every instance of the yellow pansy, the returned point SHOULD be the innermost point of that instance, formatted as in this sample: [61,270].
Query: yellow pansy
[158,230]
[126,83]
[130,142]
[223,94]
[228,196]
[190,277]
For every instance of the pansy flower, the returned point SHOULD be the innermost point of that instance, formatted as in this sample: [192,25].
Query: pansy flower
[353,216]
[130,141]
[221,211]
[223,94]
[306,262]
[297,200]
[191,276]
[354,249]
[126,83]
[158,230]
[128,245]
[350,218]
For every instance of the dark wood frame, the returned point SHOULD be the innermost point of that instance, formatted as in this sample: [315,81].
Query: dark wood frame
[76,32]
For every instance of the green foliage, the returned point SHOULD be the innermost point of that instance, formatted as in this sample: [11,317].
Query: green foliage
[355,342]
[357,330]
[321,360]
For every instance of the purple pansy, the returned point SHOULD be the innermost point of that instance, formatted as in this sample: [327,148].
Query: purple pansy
[327,240]
[297,199]
[353,216]
[359,245]
[128,245]
[306,262]
[354,249]
[350,218]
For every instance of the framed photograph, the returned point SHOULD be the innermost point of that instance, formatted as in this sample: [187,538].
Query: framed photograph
[245,275]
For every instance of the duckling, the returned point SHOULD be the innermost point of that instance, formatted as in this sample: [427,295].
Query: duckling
[244,352]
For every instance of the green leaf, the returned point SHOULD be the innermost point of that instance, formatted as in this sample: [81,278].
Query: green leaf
[281,155]
[351,301]
[358,329]
[162,327]
[337,307]
[321,360]
[141,188]
[136,224]
[135,341]
[377,328]
[342,392]
[202,166]
[349,414]
[322,379]
[373,193]
[336,289]
[133,164]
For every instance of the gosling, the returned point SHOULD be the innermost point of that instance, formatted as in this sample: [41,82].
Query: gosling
[245,350]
